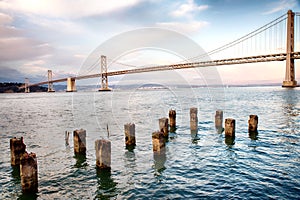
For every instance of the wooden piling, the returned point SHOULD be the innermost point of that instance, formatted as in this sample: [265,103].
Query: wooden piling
[129,134]
[252,123]
[193,119]
[67,135]
[103,154]
[230,127]
[17,149]
[29,173]
[158,141]
[79,139]
[219,119]
[172,119]
[164,126]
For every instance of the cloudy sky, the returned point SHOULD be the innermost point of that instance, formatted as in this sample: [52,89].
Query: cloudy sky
[37,35]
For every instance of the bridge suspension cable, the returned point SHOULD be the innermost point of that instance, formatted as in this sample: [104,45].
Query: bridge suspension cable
[92,67]
[120,63]
[252,34]
[297,32]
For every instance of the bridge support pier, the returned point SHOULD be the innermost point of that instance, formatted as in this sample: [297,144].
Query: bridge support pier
[104,78]
[290,64]
[26,85]
[71,87]
[50,83]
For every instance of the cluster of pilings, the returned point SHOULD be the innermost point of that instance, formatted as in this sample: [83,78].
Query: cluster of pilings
[27,163]
[230,128]
[102,147]
[160,137]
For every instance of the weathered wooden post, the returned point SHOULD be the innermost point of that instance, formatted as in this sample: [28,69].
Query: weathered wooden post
[158,141]
[252,122]
[129,134]
[79,138]
[67,135]
[17,149]
[172,120]
[230,127]
[193,119]
[219,121]
[103,153]
[164,126]
[29,173]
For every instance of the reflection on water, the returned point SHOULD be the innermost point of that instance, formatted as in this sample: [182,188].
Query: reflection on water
[130,148]
[195,137]
[130,159]
[230,156]
[229,141]
[16,174]
[290,110]
[130,169]
[106,185]
[172,136]
[253,135]
[173,129]
[160,159]
[27,196]
[219,130]
[80,161]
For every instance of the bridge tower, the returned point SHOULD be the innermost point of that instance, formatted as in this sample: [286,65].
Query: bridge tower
[290,64]
[50,83]
[26,85]
[71,86]
[104,79]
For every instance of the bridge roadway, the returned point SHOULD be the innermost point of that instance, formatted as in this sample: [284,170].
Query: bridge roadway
[230,61]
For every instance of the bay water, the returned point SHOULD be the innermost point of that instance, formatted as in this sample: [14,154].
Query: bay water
[194,167]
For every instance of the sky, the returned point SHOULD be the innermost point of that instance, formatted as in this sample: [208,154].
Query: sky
[64,35]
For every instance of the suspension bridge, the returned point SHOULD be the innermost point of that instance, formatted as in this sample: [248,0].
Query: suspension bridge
[278,40]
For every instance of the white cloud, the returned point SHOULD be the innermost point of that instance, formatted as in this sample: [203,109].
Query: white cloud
[59,26]
[188,8]
[18,48]
[184,27]
[35,67]
[281,5]
[80,56]
[5,19]
[35,62]
[15,45]
[65,8]
[9,31]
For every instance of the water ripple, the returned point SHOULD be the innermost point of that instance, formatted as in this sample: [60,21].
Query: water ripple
[263,166]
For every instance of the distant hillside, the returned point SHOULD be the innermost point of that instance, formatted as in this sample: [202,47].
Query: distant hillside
[15,88]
